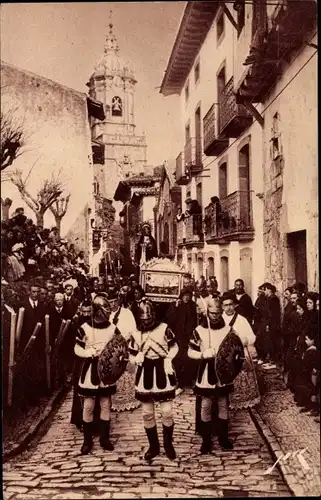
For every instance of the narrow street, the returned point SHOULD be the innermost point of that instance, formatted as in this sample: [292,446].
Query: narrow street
[54,468]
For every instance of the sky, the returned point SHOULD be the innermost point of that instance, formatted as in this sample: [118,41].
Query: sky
[64,41]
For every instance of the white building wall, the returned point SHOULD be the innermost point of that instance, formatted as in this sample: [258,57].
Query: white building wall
[212,55]
[295,100]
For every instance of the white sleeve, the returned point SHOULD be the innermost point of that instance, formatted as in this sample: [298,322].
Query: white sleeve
[244,331]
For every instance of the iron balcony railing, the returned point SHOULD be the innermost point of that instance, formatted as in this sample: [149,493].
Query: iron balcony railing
[229,217]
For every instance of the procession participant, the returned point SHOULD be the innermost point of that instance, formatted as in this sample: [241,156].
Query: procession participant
[212,288]
[246,392]
[95,288]
[124,319]
[153,349]
[204,345]
[137,293]
[201,299]
[146,239]
[181,317]
[84,315]
[243,300]
[91,340]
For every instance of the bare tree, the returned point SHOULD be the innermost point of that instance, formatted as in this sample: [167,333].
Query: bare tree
[12,138]
[59,209]
[48,193]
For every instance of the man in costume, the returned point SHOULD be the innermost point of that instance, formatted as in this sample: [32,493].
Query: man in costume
[204,345]
[246,392]
[152,349]
[91,339]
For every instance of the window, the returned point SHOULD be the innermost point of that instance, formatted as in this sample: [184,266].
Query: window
[275,140]
[187,92]
[220,27]
[117,106]
[222,187]
[199,196]
[197,72]
[98,154]
[239,6]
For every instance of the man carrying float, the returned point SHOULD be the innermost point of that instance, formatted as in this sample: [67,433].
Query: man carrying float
[104,351]
[153,349]
[220,352]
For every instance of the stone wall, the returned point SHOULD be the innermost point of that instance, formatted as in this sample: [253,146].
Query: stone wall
[57,137]
[291,169]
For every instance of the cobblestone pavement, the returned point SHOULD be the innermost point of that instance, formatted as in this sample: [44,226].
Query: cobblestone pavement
[54,468]
[291,431]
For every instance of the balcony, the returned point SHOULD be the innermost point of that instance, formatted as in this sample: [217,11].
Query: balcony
[182,175]
[234,118]
[213,143]
[193,156]
[190,231]
[292,23]
[230,219]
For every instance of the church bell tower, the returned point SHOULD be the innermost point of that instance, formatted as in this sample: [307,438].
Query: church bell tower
[122,152]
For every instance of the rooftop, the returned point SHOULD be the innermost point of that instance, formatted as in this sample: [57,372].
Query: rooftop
[195,24]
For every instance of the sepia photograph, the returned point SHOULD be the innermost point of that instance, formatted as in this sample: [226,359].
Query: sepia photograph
[159,249]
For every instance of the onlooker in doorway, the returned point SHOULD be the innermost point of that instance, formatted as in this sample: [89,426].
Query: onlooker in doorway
[272,325]
[258,328]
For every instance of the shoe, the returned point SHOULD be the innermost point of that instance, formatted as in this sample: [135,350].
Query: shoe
[260,362]
[179,391]
[304,410]
[206,433]
[154,448]
[88,438]
[168,442]
[317,419]
[223,439]
[104,435]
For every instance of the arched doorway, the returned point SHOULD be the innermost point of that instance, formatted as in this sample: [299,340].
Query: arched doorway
[224,282]
[210,268]
[246,269]
[200,266]
[244,185]
[166,238]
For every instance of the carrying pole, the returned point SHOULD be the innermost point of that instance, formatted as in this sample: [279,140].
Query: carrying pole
[48,367]
[11,355]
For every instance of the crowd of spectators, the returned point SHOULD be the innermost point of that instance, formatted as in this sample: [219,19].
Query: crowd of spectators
[291,341]
[29,251]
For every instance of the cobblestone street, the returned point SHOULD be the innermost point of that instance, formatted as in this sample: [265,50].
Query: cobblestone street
[54,468]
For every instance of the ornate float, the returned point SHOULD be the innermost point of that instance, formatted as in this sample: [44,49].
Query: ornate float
[161,279]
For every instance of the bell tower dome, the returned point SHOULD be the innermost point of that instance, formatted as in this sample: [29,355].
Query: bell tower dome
[113,83]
